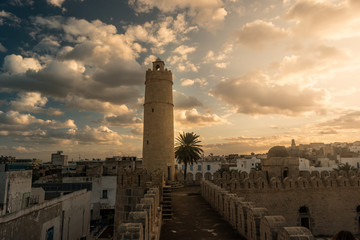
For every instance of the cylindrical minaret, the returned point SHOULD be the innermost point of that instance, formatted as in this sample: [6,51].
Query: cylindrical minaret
[158,141]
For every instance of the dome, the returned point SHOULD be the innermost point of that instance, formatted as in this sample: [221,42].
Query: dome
[277,151]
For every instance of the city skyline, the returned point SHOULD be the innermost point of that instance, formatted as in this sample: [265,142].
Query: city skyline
[248,75]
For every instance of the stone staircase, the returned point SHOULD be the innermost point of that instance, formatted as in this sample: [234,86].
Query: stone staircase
[174,184]
[166,203]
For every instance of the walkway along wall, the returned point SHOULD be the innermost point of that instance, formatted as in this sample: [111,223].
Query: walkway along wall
[138,210]
[325,203]
[251,222]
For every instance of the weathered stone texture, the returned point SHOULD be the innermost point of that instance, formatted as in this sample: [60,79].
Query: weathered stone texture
[158,136]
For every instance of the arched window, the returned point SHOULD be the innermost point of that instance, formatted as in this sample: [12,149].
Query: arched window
[303,210]
[157,67]
[285,172]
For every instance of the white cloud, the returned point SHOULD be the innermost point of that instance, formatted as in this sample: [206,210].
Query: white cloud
[314,61]
[221,57]
[16,118]
[256,94]
[258,33]
[149,60]
[191,82]
[159,34]
[94,105]
[126,120]
[56,3]
[100,135]
[32,102]
[95,63]
[192,118]
[13,120]
[325,19]
[22,149]
[16,64]
[181,60]
[9,18]
[208,14]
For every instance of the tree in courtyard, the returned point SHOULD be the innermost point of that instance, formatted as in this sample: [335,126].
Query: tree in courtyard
[187,149]
[344,167]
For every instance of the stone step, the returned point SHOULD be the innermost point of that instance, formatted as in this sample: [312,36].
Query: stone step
[166,203]
[167,208]
[167,216]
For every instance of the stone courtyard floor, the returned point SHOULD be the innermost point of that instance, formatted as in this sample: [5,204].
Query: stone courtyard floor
[193,218]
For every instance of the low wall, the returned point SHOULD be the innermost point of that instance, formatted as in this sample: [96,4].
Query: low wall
[66,217]
[252,222]
[144,222]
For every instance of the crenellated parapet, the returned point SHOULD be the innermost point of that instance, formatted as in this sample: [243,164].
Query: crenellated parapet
[258,181]
[325,202]
[137,209]
[251,221]
[144,221]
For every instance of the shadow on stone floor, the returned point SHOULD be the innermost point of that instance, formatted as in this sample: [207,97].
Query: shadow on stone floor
[193,218]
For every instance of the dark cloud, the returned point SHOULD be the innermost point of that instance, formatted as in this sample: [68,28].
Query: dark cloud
[253,94]
[349,120]
[120,73]
[181,101]
[121,120]
[259,33]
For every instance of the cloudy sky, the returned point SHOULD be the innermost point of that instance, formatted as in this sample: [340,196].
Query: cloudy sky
[248,74]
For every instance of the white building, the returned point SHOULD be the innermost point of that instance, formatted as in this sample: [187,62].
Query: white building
[352,161]
[245,164]
[203,166]
[15,190]
[66,217]
[59,159]
[103,192]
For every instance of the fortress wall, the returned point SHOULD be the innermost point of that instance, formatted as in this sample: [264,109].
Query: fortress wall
[332,199]
[250,221]
[137,209]
[144,222]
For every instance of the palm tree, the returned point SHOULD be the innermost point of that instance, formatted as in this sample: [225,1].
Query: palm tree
[344,167]
[187,149]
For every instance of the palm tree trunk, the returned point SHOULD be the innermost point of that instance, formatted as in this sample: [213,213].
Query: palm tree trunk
[185,171]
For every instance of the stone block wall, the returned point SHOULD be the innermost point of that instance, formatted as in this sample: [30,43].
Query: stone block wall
[144,221]
[132,231]
[253,223]
[327,202]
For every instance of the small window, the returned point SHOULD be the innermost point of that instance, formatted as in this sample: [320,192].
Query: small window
[152,110]
[191,167]
[50,234]
[147,142]
[157,67]
[208,167]
[199,167]
[104,194]
[303,210]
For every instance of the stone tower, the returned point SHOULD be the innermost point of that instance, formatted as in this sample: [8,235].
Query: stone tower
[158,138]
